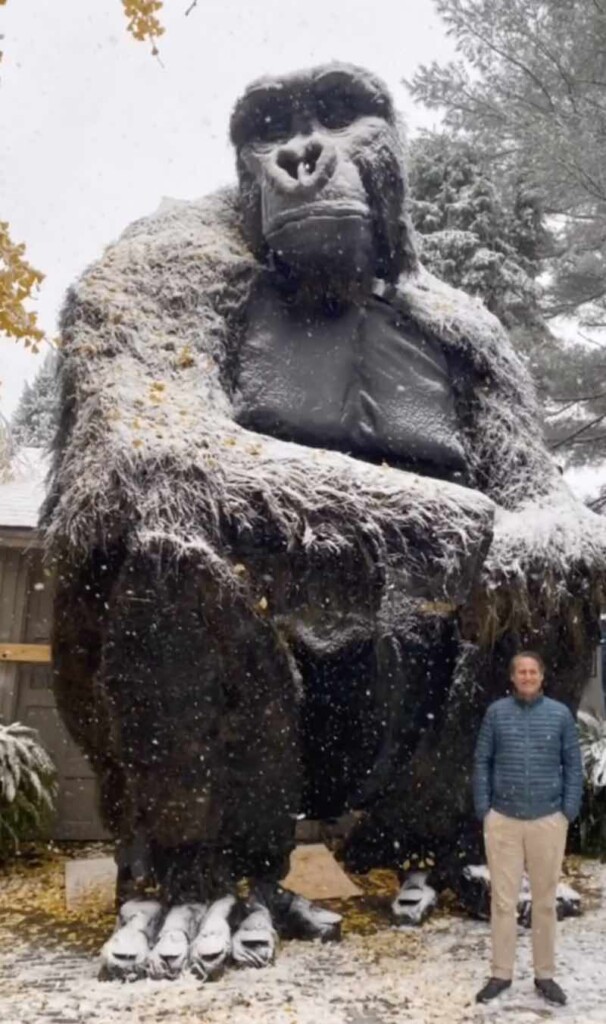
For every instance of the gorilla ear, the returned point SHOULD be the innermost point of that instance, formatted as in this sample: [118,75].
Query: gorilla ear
[408,261]
[397,249]
[405,259]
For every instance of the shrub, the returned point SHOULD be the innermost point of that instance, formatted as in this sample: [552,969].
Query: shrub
[27,787]
[592,736]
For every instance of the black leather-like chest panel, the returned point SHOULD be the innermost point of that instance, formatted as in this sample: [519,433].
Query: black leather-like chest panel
[363,382]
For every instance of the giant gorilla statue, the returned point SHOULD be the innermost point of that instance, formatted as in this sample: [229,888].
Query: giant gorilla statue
[301,513]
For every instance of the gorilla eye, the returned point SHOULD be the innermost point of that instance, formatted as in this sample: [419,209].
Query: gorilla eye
[271,123]
[337,109]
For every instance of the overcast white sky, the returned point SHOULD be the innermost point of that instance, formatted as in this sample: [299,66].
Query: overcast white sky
[95,131]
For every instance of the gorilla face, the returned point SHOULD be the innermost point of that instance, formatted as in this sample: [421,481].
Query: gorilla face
[321,174]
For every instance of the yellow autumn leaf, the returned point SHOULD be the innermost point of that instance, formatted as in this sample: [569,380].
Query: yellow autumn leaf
[185,358]
[143,24]
[17,282]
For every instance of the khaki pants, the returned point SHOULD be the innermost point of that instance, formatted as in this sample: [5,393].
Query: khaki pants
[512,845]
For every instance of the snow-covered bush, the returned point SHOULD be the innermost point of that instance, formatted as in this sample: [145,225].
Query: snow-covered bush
[27,787]
[592,736]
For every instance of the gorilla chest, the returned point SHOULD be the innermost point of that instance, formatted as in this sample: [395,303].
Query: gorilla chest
[361,382]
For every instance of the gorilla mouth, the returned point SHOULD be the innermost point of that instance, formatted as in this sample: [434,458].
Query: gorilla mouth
[327,210]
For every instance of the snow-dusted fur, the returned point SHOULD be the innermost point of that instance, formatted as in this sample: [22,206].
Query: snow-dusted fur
[195,556]
[148,450]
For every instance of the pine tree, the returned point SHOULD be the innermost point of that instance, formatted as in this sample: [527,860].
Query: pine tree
[33,423]
[489,238]
[474,236]
[527,91]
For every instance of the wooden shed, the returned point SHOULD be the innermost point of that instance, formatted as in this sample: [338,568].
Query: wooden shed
[25,670]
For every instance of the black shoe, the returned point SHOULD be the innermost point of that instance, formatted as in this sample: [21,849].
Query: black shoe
[492,989]
[550,990]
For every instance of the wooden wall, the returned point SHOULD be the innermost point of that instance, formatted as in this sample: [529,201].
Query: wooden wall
[25,685]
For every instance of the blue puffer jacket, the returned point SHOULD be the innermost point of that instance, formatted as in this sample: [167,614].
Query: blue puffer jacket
[528,760]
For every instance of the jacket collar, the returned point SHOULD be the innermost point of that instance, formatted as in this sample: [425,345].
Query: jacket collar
[530,703]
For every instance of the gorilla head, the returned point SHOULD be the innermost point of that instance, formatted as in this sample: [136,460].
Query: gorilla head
[321,174]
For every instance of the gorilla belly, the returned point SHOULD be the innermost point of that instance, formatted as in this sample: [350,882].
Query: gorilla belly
[361,381]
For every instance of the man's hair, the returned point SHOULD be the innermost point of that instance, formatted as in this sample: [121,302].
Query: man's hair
[527,654]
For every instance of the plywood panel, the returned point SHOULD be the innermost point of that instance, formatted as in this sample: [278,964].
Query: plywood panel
[77,807]
[40,587]
[77,814]
[13,594]
[8,690]
[13,611]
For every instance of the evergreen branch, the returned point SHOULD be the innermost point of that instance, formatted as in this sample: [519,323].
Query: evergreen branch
[577,433]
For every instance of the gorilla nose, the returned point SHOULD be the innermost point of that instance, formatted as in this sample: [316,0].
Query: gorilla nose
[300,163]
[304,165]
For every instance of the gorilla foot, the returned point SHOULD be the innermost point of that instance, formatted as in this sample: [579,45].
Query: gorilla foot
[170,955]
[568,903]
[212,945]
[125,954]
[415,900]
[255,942]
[296,917]
[160,944]
[474,893]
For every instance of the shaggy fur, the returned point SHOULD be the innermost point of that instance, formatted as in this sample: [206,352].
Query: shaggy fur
[155,486]
[147,447]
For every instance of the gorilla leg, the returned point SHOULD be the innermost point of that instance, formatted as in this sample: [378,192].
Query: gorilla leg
[203,703]
[202,699]
[413,676]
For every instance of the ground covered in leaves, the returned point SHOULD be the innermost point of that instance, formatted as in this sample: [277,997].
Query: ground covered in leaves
[377,975]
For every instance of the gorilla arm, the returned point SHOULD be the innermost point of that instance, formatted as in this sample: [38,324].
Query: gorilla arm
[548,550]
[148,449]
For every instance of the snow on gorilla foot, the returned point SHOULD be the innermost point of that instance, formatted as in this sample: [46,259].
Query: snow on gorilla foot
[212,945]
[476,896]
[162,943]
[255,942]
[297,917]
[125,954]
[170,955]
[415,900]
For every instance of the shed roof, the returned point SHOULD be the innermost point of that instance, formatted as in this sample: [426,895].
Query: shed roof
[22,495]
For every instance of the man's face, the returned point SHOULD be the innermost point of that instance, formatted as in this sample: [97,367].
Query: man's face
[526,677]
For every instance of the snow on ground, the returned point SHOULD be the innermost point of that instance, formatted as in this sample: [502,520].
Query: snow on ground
[416,976]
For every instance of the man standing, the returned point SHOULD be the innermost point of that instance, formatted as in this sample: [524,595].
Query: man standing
[528,782]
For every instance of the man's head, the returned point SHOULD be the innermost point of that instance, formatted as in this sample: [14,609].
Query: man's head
[527,671]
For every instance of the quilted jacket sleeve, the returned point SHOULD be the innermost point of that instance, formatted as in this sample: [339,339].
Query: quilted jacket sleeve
[482,769]
[572,767]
